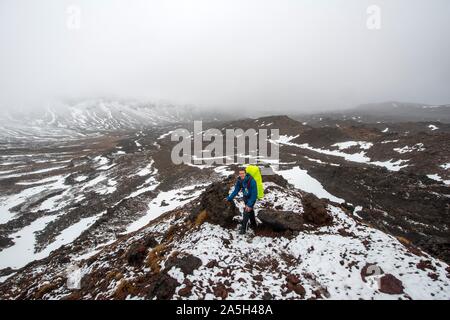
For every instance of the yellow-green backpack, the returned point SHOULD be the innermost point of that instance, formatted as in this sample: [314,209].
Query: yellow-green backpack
[256,174]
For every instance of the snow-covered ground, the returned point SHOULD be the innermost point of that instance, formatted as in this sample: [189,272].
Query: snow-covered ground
[345,145]
[326,261]
[359,157]
[8,202]
[438,178]
[164,202]
[303,181]
[407,149]
[23,251]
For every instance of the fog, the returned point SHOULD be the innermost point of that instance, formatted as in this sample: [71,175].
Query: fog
[262,55]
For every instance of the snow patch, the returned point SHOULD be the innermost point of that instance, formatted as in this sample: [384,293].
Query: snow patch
[173,199]
[302,180]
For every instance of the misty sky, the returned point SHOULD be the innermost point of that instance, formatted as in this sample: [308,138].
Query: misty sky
[291,55]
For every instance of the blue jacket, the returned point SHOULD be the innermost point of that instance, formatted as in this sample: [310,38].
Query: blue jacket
[248,189]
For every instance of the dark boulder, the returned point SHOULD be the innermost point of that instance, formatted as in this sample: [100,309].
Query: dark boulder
[315,210]
[5,242]
[187,263]
[150,241]
[162,287]
[136,254]
[214,207]
[281,221]
[267,296]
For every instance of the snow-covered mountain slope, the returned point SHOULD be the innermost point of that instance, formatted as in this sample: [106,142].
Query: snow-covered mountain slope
[196,252]
[92,116]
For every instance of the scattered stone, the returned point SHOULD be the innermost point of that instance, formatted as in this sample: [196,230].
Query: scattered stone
[433,275]
[220,291]
[212,264]
[292,279]
[258,278]
[390,284]
[187,290]
[425,264]
[297,288]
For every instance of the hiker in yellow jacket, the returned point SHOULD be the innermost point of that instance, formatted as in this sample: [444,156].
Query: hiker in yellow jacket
[248,184]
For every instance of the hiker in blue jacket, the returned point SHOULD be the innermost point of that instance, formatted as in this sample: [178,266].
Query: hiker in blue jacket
[247,184]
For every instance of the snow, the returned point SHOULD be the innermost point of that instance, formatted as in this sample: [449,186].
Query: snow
[385,130]
[284,139]
[446,166]
[23,250]
[41,181]
[407,149]
[357,209]
[150,184]
[109,188]
[80,178]
[6,203]
[32,172]
[355,157]
[146,171]
[432,127]
[391,165]
[302,180]
[69,234]
[101,161]
[321,162]
[106,167]
[4,278]
[7,171]
[177,274]
[384,250]
[389,141]
[174,198]
[328,262]
[92,252]
[165,135]
[438,178]
[345,145]
[223,171]
[198,166]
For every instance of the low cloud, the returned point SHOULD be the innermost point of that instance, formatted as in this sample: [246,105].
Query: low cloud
[239,55]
